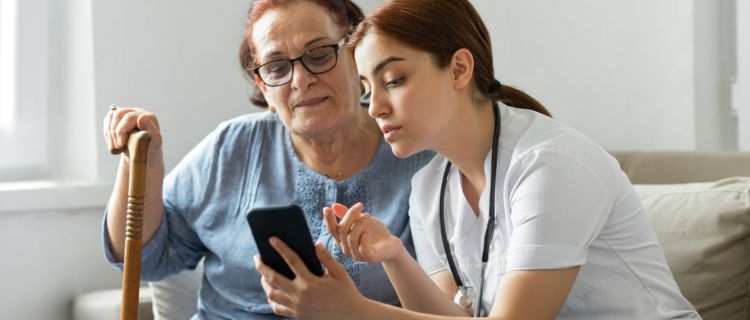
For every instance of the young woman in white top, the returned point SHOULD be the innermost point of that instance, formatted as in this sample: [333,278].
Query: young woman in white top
[518,217]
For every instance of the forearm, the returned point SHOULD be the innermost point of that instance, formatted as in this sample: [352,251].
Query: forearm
[118,204]
[416,290]
[373,310]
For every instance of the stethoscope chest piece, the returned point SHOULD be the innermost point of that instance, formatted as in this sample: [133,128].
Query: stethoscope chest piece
[465,297]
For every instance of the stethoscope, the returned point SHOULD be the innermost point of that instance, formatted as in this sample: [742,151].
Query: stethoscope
[466,294]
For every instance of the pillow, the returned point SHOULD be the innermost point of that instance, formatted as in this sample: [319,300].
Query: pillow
[176,297]
[704,230]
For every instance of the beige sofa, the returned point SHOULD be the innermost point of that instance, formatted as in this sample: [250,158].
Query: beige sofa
[699,206]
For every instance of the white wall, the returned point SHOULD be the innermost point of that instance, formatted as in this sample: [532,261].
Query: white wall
[49,257]
[633,75]
[176,58]
[741,87]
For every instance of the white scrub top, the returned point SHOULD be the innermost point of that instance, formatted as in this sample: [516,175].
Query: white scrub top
[561,201]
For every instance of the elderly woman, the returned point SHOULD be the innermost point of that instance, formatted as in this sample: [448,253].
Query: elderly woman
[315,146]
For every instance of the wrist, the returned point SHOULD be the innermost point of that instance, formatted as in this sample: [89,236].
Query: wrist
[366,308]
[400,252]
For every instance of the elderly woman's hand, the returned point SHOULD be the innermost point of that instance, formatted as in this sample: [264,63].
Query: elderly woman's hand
[360,235]
[331,296]
[120,122]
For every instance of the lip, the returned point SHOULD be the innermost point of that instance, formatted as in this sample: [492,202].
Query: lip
[309,102]
[389,132]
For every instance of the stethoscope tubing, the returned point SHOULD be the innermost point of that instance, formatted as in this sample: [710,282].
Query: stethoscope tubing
[488,235]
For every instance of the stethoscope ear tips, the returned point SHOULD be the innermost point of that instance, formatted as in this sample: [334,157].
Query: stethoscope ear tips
[364,100]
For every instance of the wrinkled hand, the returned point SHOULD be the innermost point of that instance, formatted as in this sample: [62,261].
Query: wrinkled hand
[360,235]
[331,296]
[120,122]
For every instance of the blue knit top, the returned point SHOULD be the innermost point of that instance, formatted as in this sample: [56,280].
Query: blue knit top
[249,162]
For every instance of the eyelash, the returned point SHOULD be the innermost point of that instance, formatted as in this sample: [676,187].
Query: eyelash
[395,82]
[392,83]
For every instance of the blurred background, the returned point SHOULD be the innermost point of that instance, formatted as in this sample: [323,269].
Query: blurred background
[631,74]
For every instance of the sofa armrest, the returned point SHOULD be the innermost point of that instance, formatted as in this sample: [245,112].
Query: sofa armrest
[662,167]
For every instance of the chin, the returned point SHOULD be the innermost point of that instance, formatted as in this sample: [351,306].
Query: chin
[402,152]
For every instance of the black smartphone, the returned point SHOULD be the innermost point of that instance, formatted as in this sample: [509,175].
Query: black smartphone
[288,224]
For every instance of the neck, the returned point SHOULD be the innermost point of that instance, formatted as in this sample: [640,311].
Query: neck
[478,128]
[343,153]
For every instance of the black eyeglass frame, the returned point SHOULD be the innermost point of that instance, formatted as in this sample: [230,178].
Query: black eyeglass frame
[335,46]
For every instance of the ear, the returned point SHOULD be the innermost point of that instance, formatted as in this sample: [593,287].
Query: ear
[462,66]
[262,87]
[259,83]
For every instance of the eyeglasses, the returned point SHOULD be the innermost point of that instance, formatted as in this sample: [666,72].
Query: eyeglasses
[316,61]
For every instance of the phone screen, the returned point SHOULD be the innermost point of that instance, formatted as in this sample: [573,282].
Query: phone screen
[288,224]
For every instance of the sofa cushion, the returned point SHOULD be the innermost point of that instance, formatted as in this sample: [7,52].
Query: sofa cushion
[176,297]
[105,305]
[704,229]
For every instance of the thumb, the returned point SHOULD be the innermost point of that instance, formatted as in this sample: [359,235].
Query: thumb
[366,251]
[335,269]
[331,223]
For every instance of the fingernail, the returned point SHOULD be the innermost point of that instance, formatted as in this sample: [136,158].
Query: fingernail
[273,241]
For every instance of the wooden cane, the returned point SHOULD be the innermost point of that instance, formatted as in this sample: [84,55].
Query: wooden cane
[131,277]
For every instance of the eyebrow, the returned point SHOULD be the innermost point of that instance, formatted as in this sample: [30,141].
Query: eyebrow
[306,45]
[379,67]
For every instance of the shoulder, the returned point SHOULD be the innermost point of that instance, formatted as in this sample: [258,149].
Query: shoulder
[252,123]
[233,138]
[535,143]
[245,131]
[524,129]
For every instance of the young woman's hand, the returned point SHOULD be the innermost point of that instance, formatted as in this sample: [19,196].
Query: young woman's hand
[360,235]
[331,296]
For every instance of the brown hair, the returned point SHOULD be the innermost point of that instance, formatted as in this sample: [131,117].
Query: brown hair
[344,12]
[440,28]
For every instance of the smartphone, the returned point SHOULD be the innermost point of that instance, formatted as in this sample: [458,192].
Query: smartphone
[288,223]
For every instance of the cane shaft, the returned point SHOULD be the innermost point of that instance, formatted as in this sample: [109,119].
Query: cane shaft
[131,277]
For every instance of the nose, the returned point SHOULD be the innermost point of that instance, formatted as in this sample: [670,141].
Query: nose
[377,108]
[301,77]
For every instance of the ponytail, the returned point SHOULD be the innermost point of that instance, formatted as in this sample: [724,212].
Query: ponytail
[515,98]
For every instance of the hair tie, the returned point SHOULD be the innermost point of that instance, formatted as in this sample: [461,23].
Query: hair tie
[494,89]
[495,86]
